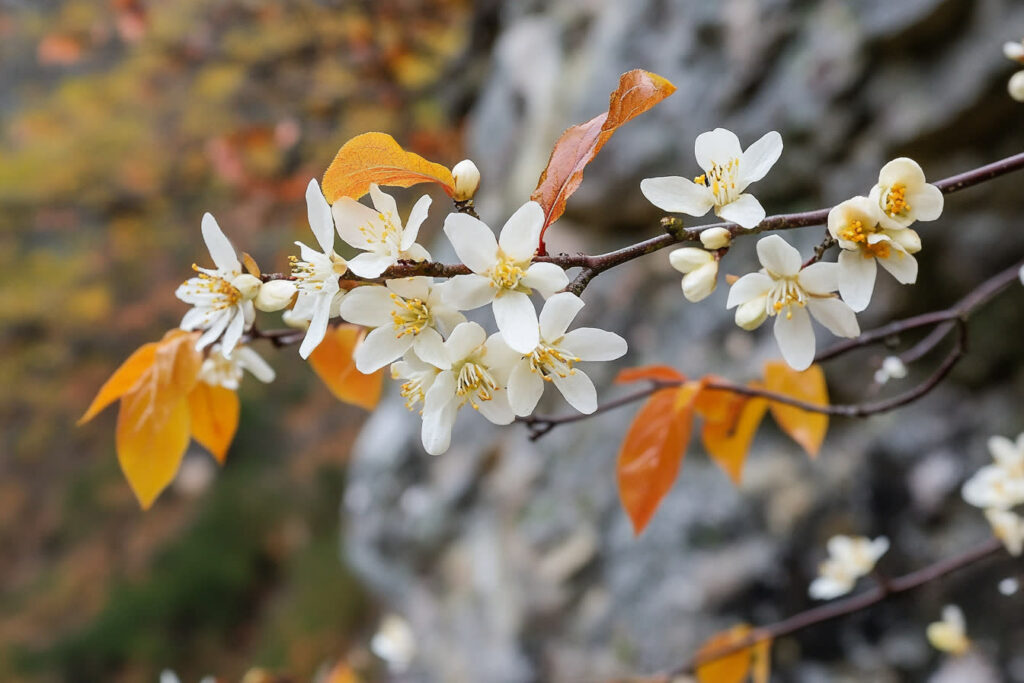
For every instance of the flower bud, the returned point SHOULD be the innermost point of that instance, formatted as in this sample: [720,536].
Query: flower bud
[275,295]
[467,179]
[908,239]
[293,319]
[750,315]
[1016,86]
[715,238]
[248,285]
[699,284]
[688,259]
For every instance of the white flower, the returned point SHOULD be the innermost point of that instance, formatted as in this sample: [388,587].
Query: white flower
[1015,86]
[892,368]
[728,171]
[715,238]
[555,356]
[470,378]
[1008,527]
[221,297]
[1014,50]
[394,642]
[783,289]
[850,557]
[316,275]
[700,272]
[407,313]
[226,371]
[379,232]
[950,634]
[275,295]
[903,196]
[503,272]
[1000,485]
[419,376]
[855,224]
[467,180]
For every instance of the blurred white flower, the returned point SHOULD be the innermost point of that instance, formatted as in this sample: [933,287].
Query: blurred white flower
[865,242]
[700,272]
[1000,485]
[503,272]
[1008,527]
[1015,86]
[1014,50]
[226,371]
[728,171]
[379,232]
[892,368]
[316,275]
[554,358]
[903,196]
[407,313]
[1009,585]
[395,643]
[850,557]
[783,289]
[221,297]
[950,634]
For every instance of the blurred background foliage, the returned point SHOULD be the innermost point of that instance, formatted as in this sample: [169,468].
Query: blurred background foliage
[122,122]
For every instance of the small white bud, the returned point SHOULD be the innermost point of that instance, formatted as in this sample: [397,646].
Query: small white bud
[750,315]
[467,180]
[248,285]
[293,319]
[1014,51]
[908,239]
[698,284]
[894,367]
[1016,86]
[715,238]
[689,259]
[275,295]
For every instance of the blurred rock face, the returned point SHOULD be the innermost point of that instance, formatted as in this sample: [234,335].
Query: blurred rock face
[512,560]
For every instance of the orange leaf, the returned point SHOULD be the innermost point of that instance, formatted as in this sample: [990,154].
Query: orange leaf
[123,379]
[332,362]
[653,451]
[806,428]
[727,439]
[153,422]
[377,158]
[732,668]
[762,666]
[214,415]
[657,373]
[638,91]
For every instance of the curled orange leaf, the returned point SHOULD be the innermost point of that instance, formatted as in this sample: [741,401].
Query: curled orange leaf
[332,362]
[377,158]
[122,381]
[805,427]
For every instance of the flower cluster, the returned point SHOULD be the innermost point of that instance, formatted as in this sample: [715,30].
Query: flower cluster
[1015,86]
[850,558]
[871,231]
[999,488]
[416,323]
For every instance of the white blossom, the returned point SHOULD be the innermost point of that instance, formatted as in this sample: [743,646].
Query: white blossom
[728,171]
[950,634]
[892,368]
[785,290]
[221,297]
[1015,86]
[904,196]
[503,272]
[1008,527]
[379,232]
[407,313]
[419,376]
[1001,484]
[700,272]
[555,356]
[1014,50]
[471,377]
[850,557]
[226,371]
[316,274]
[395,643]
[856,225]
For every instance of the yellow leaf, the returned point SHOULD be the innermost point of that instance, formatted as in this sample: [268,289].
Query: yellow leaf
[332,362]
[214,415]
[123,379]
[730,423]
[732,668]
[762,665]
[377,158]
[805,427]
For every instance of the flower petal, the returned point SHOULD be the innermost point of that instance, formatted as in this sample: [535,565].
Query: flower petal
[417,287]
[370,264]
[473,241]
[497,410]
[546,278]
[416,218]
[578,391]
[901,266]
[317,325]
[927,203]
[856,279]
[463,340]
[795,337]
[439,411]
[349,217]
[778,256]
[819,278]
[525,387]
[233,333]
[716,146]
[320,220]
[466,292]
[1005,452]
[221,251]
[517,320]
[385,204]
[520,236]
[381,347]
[558,312]
[678,195]
[254,363]
[370,306]
[902,170]
[836,315]
[590,343]
[744,211]
[759,158]
[429,346]
[750,286]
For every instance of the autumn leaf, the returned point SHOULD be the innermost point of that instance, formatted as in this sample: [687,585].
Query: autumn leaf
[332,362]
[638,91]
[654,373]
[122,381]
[153,424]
[214,418]
[377,158]
[805,427]
[751,661]
[653,451]
[730,423]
